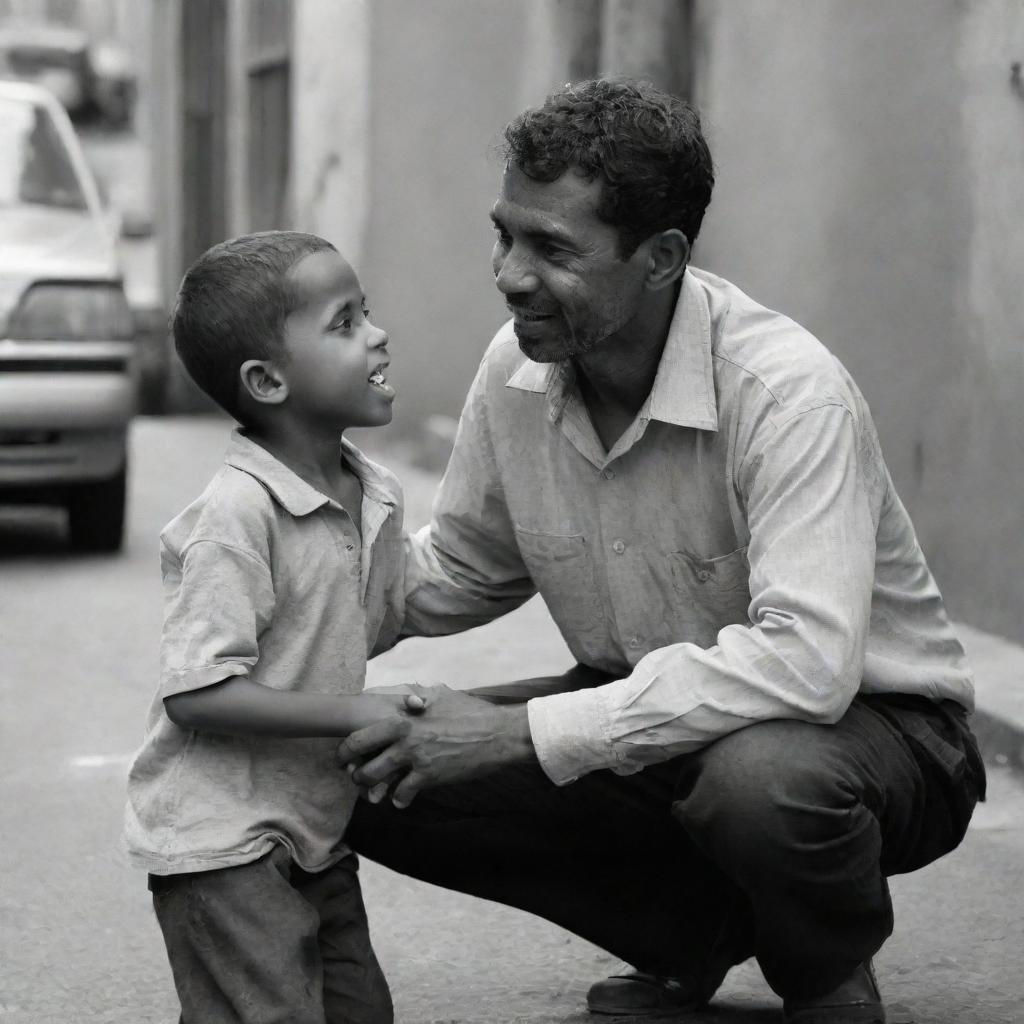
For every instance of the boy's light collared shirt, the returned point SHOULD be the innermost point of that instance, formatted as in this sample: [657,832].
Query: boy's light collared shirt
[739,555]
[263,577]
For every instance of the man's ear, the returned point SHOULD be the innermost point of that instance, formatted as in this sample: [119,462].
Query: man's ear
[263,382]
[667,256]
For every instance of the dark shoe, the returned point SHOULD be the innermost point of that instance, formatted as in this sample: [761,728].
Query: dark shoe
[643,995]
[854,1001]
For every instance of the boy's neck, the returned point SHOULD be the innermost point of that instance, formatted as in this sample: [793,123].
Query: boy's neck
[315,458]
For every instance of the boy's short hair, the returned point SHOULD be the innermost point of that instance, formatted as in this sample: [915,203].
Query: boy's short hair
[232,306]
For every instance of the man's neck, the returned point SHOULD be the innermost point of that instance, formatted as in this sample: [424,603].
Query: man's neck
[617,377]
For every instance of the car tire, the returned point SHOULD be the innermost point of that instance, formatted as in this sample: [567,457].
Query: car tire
[96,513]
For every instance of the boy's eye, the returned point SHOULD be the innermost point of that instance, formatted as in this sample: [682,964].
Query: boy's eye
[366,313]
[343,325]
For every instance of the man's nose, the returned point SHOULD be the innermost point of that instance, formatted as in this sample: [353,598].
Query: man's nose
[513,274]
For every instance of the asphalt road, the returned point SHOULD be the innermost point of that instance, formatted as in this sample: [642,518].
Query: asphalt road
[78,662]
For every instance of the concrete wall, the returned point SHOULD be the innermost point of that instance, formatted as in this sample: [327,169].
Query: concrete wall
[870,159]
[331,124]
[444,79]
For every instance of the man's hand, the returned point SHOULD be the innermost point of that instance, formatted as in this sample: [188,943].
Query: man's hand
[456,736]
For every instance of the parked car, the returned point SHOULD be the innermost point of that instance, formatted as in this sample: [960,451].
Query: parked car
[53,56]
[67,373]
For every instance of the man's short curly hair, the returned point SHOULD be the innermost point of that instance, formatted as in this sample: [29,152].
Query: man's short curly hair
[232,306]
[645,145]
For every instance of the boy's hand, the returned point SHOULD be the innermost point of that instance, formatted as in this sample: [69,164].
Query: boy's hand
[414,702]
[416,695]
[455,737]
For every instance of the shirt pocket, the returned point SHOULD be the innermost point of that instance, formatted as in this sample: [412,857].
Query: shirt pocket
[563,569]
[714,593]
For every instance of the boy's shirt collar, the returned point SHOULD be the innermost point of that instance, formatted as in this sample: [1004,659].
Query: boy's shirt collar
[289,489]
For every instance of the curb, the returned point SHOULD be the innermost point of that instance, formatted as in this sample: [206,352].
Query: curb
[998,720]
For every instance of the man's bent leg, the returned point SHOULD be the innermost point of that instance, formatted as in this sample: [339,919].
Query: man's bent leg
[601,857]
[808,820]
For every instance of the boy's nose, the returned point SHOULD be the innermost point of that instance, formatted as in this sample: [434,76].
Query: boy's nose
[379,339]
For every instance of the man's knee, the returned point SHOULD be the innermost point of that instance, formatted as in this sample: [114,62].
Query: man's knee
[769,784]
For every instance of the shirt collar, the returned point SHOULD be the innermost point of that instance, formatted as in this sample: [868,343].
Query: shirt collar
[289,489]
[684,386]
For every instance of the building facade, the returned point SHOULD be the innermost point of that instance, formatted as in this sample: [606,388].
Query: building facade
[870,166]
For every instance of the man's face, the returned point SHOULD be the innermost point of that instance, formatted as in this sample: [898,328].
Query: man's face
[558,266]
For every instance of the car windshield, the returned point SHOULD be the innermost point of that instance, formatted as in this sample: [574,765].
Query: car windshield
[34,165]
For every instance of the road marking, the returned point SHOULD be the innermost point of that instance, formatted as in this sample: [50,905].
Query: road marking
[100,760]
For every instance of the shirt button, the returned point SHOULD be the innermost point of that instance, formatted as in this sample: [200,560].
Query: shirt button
[635,641]
[609,474]
[703,575]
[619,546]
[350,547]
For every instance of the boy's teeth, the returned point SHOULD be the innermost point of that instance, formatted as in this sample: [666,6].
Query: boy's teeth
[377,377]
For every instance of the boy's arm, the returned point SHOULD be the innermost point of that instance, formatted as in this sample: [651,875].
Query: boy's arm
[240,706]
[220,601]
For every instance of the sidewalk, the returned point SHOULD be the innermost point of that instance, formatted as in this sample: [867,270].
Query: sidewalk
[999,692]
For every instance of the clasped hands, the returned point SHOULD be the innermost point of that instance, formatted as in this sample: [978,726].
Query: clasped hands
[439,736]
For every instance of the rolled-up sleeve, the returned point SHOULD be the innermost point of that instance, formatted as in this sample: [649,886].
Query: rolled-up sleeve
[219,599]
[810,487]
[464,569]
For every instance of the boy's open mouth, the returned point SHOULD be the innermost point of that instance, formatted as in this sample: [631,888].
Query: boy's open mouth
[379,381]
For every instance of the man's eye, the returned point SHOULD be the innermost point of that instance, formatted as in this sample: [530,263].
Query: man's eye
[555,252]
[504,238]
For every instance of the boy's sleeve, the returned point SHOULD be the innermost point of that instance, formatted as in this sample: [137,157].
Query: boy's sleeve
[219,599]
[394,602]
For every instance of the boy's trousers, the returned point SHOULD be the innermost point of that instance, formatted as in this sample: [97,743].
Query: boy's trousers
[267,942]
[774,841]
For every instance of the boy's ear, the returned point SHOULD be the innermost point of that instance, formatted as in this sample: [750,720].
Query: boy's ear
[667,257]
[262,381]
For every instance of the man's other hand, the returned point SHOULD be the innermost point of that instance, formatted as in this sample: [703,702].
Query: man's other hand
[456,736]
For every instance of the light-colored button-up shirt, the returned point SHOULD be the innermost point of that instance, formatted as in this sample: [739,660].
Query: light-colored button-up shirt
[264,577]
[739,555]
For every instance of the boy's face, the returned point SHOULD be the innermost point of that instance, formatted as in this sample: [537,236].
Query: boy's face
[337,359]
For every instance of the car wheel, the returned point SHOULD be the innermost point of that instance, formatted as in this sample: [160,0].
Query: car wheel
[96,513]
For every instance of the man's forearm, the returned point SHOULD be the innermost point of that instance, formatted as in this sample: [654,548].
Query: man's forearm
[519,691]
[239,706]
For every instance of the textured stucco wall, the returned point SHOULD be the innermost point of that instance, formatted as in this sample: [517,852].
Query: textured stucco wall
[330,187]
[445,78]
[870,159]
[979,507]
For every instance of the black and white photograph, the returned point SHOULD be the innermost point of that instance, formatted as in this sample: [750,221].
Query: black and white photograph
[512,511]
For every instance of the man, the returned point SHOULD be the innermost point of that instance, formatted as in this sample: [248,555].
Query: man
[695,486]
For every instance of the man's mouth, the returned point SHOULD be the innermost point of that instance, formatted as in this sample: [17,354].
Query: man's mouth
[529,316]
[526,314]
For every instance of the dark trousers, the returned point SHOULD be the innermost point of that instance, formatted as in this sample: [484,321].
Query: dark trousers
[774,841]
[267,942]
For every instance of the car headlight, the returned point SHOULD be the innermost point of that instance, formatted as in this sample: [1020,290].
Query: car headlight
[72,311]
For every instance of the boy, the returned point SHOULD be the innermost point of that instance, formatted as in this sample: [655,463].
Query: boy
[279,580]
